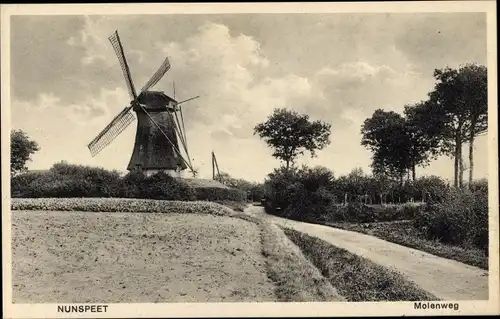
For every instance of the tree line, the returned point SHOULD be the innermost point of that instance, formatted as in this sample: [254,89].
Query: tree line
[456,112]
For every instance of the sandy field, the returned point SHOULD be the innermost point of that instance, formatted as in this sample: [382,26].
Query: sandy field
[66,257]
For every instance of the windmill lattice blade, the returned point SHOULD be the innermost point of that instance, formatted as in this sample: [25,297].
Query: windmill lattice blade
[165,66]
[117,45]
[111,131]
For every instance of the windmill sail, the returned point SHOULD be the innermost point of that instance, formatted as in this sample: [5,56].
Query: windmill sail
[117,45]
[165,66]
[111,131]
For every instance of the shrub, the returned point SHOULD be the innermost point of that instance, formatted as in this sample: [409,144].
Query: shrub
[308,205]
[352,212]
[65,180]
[20,184]
[219,194]
[302,194]
[480,186]
[312,195]
[87,172]
[163,186]
[129,186]
[409,211]
[49,184]
[431,189]
[462,219]
[256,192]
[86,180]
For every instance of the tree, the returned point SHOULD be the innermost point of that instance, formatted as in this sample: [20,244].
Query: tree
[424,134]
[21,149]
[400,144]
[386,135]
[460,102]
[476,100]
[291,134]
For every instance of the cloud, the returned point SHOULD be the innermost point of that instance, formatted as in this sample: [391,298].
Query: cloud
[211,63]
[222,69]
[240,74]
[436,40]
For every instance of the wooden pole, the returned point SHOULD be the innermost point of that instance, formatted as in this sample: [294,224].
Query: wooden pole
[216,166]
[213,166]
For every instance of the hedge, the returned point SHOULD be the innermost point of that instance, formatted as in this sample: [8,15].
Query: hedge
[65,180]
[218,193]
[120,205]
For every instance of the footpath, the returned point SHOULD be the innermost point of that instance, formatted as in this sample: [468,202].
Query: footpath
[446,279]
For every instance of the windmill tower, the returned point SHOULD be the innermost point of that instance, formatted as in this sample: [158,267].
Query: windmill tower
[160,125]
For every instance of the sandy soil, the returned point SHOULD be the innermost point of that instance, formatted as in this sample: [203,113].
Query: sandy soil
[447,279]
[67,257]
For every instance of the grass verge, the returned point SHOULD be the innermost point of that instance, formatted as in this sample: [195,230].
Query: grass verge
[356,278]
[234,205]
[295,278]
[405,234]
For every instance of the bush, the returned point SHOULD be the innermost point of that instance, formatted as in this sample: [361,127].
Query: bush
[308,205]
[431,189]
[219,194]
[462,219]
[19,184]
[480,186]
[311,195]
[65,180]
[301,194]
[163,186]
[157,186]
[256,192]
[360,213]
[352,212]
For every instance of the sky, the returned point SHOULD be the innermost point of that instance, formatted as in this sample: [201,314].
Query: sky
[66,83]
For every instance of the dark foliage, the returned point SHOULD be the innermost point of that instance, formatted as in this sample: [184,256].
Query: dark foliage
[21,149]
[360,213]
[219,194]
[462,219]
[457,217]
[66,180]
[291,134]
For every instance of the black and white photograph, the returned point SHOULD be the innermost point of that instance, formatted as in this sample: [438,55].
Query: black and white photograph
[295,159]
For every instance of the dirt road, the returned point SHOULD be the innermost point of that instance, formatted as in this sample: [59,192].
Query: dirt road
[447,279]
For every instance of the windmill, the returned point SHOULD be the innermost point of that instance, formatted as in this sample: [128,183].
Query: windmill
[160,124]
